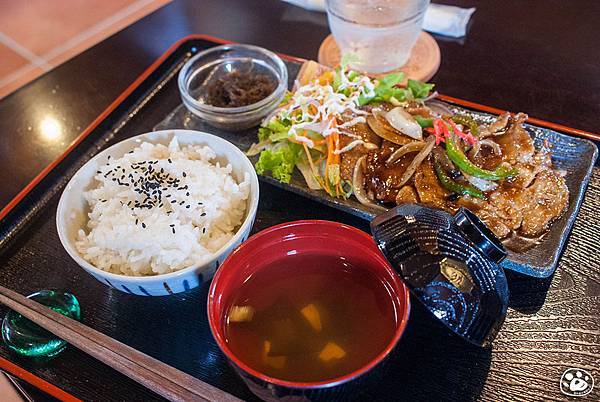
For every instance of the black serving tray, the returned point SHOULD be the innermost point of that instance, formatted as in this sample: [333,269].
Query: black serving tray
[174,329]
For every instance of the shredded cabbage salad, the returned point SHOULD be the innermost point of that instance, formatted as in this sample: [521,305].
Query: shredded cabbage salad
[304,132]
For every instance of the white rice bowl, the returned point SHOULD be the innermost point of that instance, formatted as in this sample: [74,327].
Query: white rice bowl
[160,209]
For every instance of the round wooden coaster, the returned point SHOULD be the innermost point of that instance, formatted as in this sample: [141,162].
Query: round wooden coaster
[423,63]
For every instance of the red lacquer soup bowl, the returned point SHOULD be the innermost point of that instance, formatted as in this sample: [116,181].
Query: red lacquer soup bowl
[277,243]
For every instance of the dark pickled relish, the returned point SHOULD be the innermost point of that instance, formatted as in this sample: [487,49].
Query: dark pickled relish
[240,88]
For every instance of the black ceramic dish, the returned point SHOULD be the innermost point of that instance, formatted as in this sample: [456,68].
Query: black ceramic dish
[450,265]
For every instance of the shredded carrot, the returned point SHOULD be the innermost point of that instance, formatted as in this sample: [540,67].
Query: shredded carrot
[336,141]
[310,161]
[330,150]
[333,158]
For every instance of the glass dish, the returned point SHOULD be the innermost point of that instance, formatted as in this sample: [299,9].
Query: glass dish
[208,66]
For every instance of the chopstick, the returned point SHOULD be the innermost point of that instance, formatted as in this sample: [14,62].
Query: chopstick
[167,381]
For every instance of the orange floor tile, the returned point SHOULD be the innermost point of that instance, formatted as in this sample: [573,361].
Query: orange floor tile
[36,35]
[11,61]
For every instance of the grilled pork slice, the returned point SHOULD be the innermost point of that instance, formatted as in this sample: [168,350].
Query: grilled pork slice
[381,180]
[543,202]
[529,211]
[348,159]
[516,144]
[407,195]
[429,189]
[502,213]
[528,171]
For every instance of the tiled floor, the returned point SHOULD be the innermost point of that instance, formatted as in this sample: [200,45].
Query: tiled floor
[37,35]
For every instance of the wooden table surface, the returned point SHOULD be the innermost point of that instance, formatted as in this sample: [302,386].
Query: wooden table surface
[540,57]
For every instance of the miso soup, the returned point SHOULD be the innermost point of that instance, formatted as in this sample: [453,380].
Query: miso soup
[310,317]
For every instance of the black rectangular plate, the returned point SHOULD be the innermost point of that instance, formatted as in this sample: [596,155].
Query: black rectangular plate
[574,156]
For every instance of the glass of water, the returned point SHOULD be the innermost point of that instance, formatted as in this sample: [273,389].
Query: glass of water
[381,33]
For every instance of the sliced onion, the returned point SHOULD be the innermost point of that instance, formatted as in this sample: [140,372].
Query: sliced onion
[475,150]
[416,162]
[492,144]
[380,126]
[358,186]
[257,148]
[402,121]
[439,107]
[482,184]
[431,96]
[396,102]
[408,148]
[309,177]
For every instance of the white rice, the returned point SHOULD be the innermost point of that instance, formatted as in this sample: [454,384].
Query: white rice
[180,225]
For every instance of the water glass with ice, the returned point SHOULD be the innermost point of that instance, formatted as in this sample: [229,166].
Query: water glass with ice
[380,33]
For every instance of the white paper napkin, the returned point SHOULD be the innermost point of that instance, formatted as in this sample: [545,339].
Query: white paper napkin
[440,19]
[447,20]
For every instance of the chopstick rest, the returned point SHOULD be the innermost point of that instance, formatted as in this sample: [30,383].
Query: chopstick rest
[26,338]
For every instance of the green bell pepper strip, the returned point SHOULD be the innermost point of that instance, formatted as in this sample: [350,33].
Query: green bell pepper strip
[467,122]
[457,156]
[424,122]
[453,186]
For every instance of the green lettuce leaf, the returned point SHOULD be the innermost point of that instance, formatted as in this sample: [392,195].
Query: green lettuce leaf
[351,75]
[387,89]
[390,80]
[419,89]
[280,162]
[274,130]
